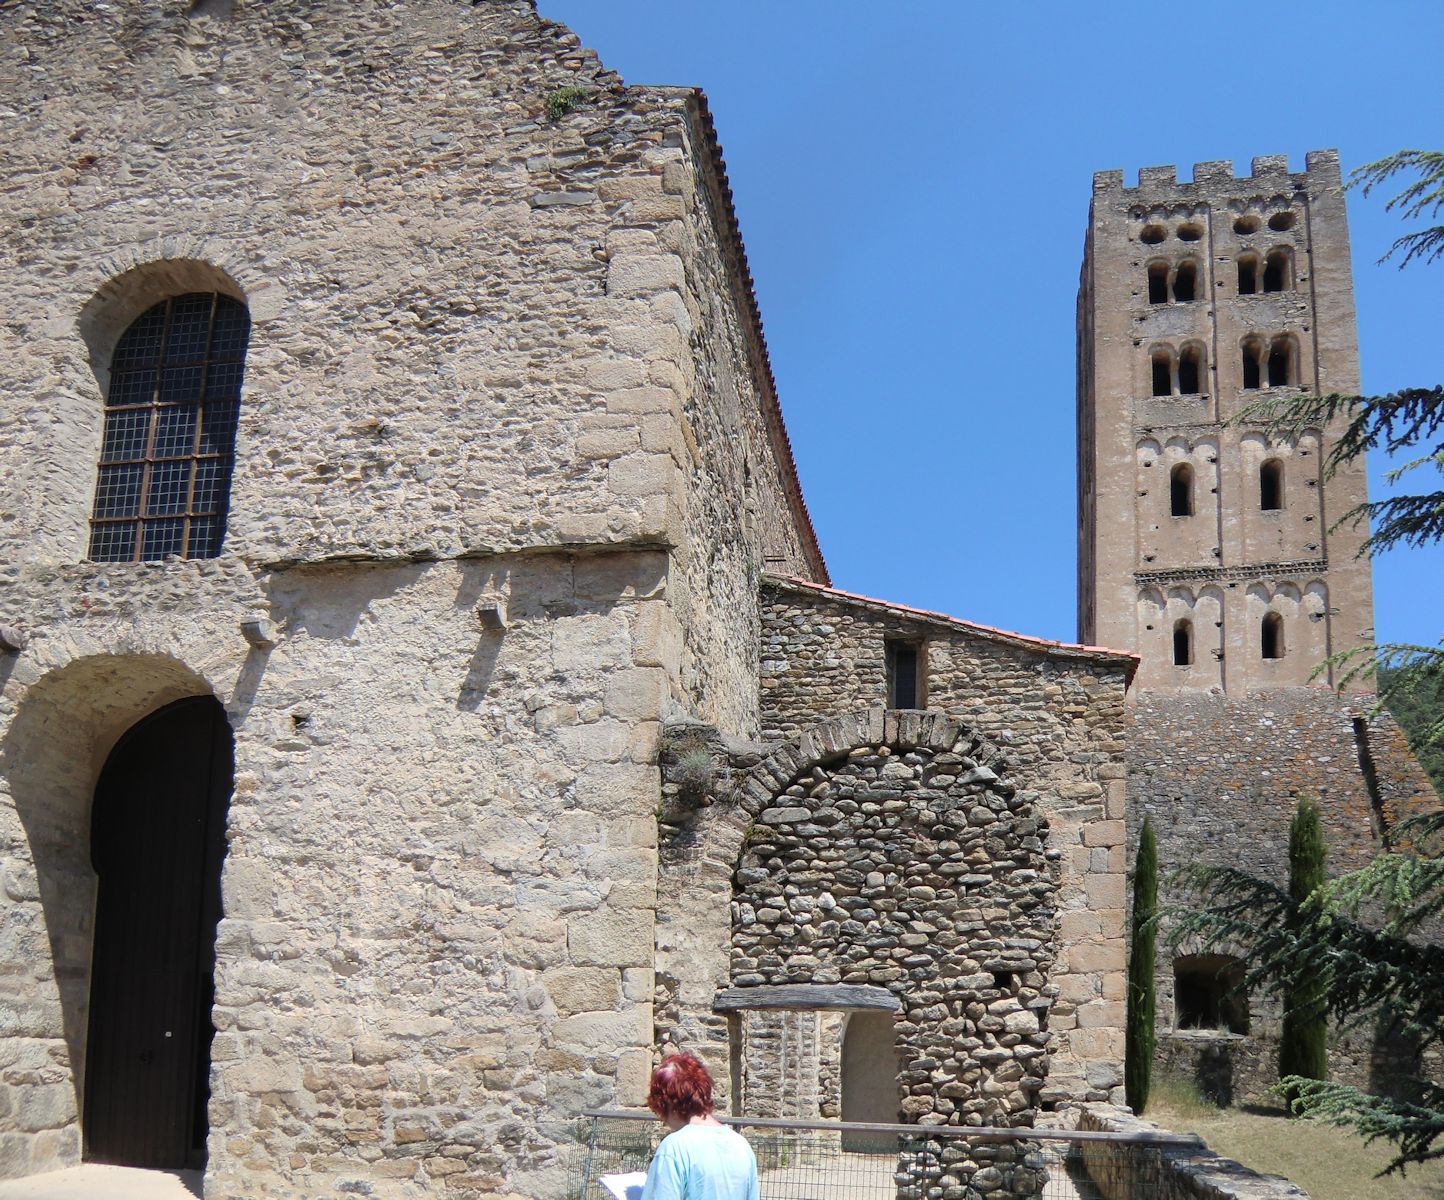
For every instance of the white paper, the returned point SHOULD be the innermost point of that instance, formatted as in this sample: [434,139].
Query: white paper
[625,1187]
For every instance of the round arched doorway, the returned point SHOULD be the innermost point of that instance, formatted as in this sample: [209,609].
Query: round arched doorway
[157,843]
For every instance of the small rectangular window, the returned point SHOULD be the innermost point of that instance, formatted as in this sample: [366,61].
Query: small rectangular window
[904,678]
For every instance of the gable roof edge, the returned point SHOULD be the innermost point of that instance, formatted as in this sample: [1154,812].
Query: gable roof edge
[1023,641]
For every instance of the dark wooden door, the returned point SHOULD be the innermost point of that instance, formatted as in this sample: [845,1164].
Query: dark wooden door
[157,841]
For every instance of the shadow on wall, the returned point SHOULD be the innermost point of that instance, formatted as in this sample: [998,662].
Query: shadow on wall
[64,727]
[1395,1062]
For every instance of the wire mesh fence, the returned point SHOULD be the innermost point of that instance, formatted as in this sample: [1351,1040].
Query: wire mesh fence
[801,1160]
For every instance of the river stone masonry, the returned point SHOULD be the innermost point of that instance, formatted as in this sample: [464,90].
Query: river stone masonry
[922,872]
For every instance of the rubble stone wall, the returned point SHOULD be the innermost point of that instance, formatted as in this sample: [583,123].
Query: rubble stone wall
[1056,716]
[921,871]
[1220,777]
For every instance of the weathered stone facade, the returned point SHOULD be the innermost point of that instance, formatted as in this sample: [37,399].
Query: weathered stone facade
[485,346]
[850,858]
[508,473]
[1055,714]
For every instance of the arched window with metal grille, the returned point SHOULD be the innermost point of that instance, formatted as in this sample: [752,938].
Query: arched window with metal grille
[170,431]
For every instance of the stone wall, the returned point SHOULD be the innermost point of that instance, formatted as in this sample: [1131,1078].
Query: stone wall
[1188,1172]
[1220,778]
[888,849]
[1056,714]
[920,871]
[428,959]
[733,455]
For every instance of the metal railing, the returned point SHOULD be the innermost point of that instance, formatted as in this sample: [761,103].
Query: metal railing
[833,1160]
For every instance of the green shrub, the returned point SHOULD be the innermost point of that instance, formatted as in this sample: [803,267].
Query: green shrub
[563,100]
[1142,991]
[1303,1050]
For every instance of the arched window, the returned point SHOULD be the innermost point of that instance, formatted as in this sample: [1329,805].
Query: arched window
[1180,490]
[170,431]
[1162,372]
[1247,274]
[1272,635]
[1281,362]
[1278,275]
[1252,367]
[1271,485]
[1190,370]
[1158,283]
[1183,643]
[1185,282]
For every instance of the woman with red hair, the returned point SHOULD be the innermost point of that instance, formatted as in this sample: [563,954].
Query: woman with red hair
[699,1158]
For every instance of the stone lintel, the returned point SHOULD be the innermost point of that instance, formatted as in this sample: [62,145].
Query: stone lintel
[834,997]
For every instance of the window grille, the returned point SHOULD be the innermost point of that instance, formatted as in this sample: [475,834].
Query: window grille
[168,446]
[904,680]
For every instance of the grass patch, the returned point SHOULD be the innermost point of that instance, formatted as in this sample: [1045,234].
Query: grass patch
[1327,1162]
[1181,1098]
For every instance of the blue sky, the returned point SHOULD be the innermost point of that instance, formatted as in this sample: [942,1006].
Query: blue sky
[912,178]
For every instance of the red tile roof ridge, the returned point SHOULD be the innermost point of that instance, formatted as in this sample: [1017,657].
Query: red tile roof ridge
[973,626]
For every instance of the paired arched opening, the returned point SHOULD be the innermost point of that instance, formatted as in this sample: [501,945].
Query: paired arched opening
[1274,272]
[1270,364]
[1178,283]
[1177,375]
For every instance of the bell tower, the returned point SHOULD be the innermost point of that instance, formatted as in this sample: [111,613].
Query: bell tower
[1205,545]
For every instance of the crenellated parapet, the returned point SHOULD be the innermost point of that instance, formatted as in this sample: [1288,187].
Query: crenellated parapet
[1268,170]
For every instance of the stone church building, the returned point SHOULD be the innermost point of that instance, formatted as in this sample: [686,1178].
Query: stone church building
[393,482]
[422,694]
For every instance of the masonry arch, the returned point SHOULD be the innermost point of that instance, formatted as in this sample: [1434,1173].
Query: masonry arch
[866,859]
[120,300]
[56,762]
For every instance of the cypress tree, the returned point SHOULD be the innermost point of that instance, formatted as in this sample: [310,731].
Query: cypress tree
[1142,951]
[1302,1048]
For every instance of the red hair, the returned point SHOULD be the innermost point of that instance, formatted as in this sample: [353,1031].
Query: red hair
[681,1087]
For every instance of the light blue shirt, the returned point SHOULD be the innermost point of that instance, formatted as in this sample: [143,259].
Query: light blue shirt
[702,1162]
